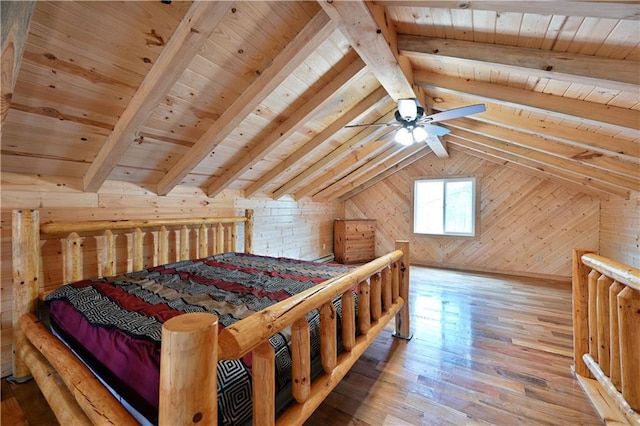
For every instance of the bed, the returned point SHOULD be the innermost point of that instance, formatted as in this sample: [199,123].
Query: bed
[289,348]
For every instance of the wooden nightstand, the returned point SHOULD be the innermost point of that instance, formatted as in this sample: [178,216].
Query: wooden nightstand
[354,241]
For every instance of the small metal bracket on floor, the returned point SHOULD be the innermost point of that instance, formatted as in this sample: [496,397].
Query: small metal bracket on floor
[407,338]
[19,380]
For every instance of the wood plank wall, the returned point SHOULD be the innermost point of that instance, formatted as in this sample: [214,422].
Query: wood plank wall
[298,229]
[528,226]
[620,229]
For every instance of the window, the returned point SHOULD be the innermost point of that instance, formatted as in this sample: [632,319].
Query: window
[445,206]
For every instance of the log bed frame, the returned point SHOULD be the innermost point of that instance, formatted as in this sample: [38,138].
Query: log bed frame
[188,395]
[606,335]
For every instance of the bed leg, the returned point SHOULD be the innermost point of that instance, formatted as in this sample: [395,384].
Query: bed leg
[19,380]
[25,247]
[403,329]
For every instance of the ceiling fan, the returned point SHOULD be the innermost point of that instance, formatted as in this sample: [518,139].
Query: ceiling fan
[417,127]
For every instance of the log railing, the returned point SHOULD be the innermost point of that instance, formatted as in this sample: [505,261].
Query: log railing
[606,318]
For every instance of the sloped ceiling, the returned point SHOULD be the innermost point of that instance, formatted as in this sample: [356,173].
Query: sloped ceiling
[255,96]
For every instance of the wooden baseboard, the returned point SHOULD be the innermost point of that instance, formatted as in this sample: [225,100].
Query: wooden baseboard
[325,259]
[495,271]
[605,407]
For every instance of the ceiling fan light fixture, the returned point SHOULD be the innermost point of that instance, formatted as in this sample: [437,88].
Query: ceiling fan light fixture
[404,136]
[408,109]
[420,134]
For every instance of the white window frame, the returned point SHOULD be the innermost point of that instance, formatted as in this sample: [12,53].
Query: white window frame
[474,206]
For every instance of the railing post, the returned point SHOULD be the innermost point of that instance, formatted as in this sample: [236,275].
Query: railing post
[220,238]
[72,258]
[203,241]
[629,321]
[614,332]
[580,312]
[184,243]
[108,254]
[592,286]
[604,331]
[248,231]
[348,320]
[403,325]
[300,360]
[138,249]
[376,297]
[364,307]
[163,245]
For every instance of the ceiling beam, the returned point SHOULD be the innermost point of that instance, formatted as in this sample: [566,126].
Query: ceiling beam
[364,136]
[374,99]
[538,160]
[302,45]
[371,41]
[558,106]
[593,9]
[365,151]
[494,157]
[192,32]
[245,160]
[508,117]
[16,17]
[382,162]
[612,170]
[617,74]
[374,39]
[420,152]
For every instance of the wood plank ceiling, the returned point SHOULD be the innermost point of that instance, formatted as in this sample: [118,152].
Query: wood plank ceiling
[254,96]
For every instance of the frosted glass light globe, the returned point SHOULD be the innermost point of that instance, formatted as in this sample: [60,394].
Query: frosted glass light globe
[404,137]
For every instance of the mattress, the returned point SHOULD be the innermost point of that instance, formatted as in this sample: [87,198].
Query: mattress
[114,324]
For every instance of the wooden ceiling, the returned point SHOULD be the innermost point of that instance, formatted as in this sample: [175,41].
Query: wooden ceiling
[254,96]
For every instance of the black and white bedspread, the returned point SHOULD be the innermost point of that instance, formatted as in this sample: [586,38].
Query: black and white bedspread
[114,324]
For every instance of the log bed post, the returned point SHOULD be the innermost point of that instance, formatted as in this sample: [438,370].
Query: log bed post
[188,370]
[403,326]
[25,237]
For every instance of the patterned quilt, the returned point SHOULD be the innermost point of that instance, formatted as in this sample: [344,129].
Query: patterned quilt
[114,324]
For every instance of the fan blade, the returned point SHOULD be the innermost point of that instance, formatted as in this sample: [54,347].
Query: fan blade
[374,124]
[435,130]
[387,136]
[455,113]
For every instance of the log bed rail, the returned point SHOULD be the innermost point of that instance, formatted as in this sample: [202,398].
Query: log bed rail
[606,321]
[188,394]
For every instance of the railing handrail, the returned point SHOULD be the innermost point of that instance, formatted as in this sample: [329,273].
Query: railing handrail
[624,274]
[241,337]
[62,228]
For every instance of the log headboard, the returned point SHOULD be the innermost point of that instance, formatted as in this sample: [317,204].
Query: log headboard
[172,240]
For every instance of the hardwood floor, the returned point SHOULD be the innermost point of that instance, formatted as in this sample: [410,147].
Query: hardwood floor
[487,349]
